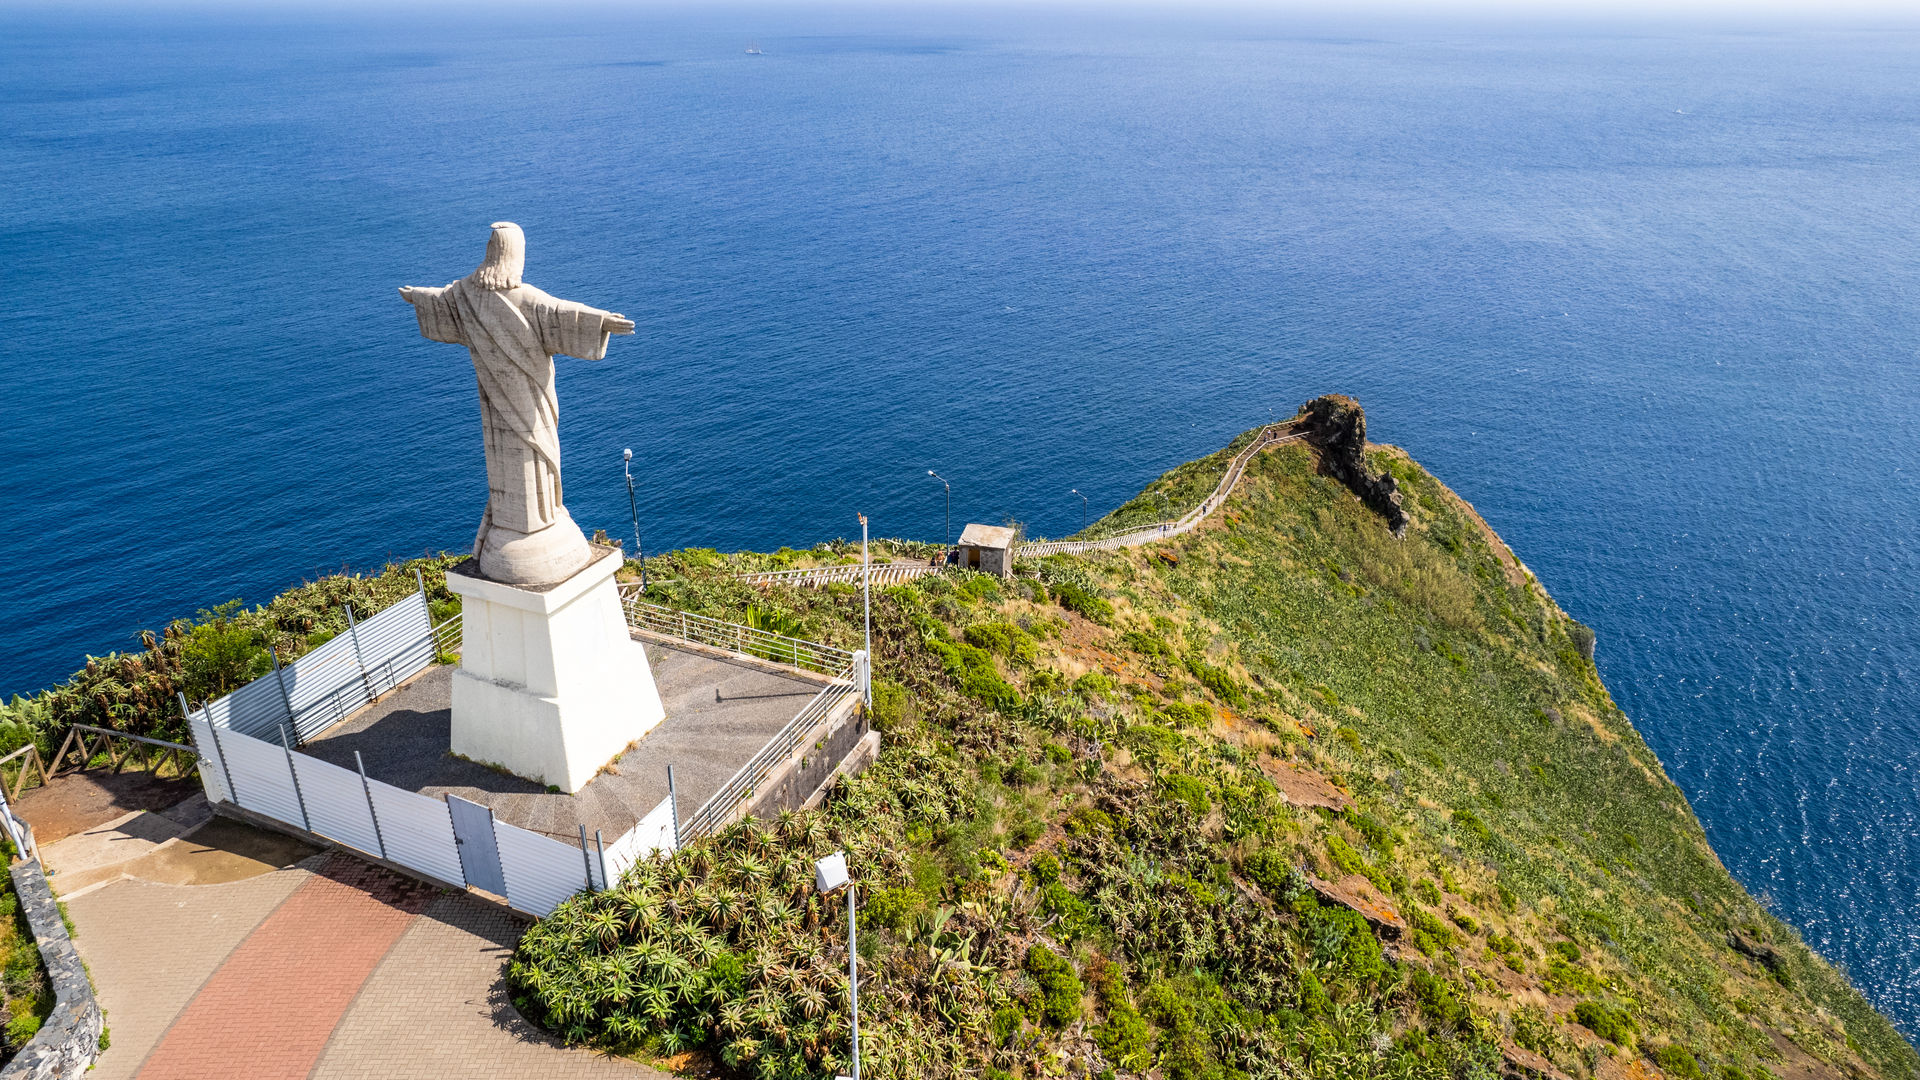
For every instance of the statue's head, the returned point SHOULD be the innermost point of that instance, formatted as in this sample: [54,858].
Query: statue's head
[506,258]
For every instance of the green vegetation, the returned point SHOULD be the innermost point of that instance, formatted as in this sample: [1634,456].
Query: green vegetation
[24,988]
[1074,847]
[1607,1021]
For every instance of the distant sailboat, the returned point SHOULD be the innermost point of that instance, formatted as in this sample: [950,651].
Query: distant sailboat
[753,49]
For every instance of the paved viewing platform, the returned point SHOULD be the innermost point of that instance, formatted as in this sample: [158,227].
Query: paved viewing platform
[721,710]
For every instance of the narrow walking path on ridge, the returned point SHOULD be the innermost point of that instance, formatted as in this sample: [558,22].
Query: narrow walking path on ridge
[890,573]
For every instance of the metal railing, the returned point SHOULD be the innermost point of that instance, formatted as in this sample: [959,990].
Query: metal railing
[1160,530]
[733,637]
[720,808]
[18,830]
[842,573]
[446,637]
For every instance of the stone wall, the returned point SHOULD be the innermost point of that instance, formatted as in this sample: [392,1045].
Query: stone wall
[1338,426]
[68,1042]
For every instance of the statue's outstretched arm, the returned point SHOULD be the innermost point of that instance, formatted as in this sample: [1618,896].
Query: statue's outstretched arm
[568,328]
[438,322]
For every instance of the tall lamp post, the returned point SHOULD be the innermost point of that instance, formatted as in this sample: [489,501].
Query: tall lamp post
[949,487]
[866,591]
[1083,509]
[639,553]
[829,874]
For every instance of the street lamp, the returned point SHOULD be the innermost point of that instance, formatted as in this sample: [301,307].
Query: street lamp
[829,874]
[1083,509]
[949,487]
[639,553]
[866,591]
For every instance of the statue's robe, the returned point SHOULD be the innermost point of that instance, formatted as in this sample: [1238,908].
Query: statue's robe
[513,335]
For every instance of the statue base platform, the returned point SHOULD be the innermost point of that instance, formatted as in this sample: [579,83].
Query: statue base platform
[551,685]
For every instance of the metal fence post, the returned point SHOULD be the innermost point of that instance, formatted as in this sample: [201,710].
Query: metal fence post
[280,674]
[421,581]
[673,808]
[600,849]
[586,856]
[367,787]
[214,730]
[353,631]
[305,822]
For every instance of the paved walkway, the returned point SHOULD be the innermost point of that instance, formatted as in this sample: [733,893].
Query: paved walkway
[332,968]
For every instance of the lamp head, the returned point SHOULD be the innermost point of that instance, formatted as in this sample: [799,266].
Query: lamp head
[626,455]
[830,873]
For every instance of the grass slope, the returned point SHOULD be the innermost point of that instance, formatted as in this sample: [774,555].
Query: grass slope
[1076,855]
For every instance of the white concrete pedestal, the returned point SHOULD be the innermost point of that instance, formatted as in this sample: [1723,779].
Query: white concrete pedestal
[551,686]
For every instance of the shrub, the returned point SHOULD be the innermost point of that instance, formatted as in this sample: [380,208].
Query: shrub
[1607,1021]
[982,587]
[1439,1002]
[1148,645]
[1093,684]
[1270,870]
[1350,862]
[1378,835]
[1190,790]
[1125,1038]
[1341,940]
[1060,988]
[1084,603]
[1218,680]
[891,908]
[1090,821]
[1006,1024]
[1025,831]
[1470,823]
[1021,773]
[1678,1062]
[889,705]
[223,653]
[1075,917]
[1508,950]
[1431,936]
[972,667]
[1195,714]
[1566,978]
[1003,639]
[1426,892]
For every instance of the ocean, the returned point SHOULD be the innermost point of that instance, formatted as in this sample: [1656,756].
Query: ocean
[1648,298]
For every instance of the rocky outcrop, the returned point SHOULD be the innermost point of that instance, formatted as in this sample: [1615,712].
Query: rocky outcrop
[1767,955]
[1337,426]
[1357,894]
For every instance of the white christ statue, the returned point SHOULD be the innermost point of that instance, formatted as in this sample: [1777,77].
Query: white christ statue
[514,331]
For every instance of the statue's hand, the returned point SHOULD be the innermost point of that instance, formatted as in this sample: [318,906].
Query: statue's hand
[615,323]
[406,293]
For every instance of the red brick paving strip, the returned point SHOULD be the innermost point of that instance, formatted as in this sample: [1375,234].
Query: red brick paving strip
[268,1011]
